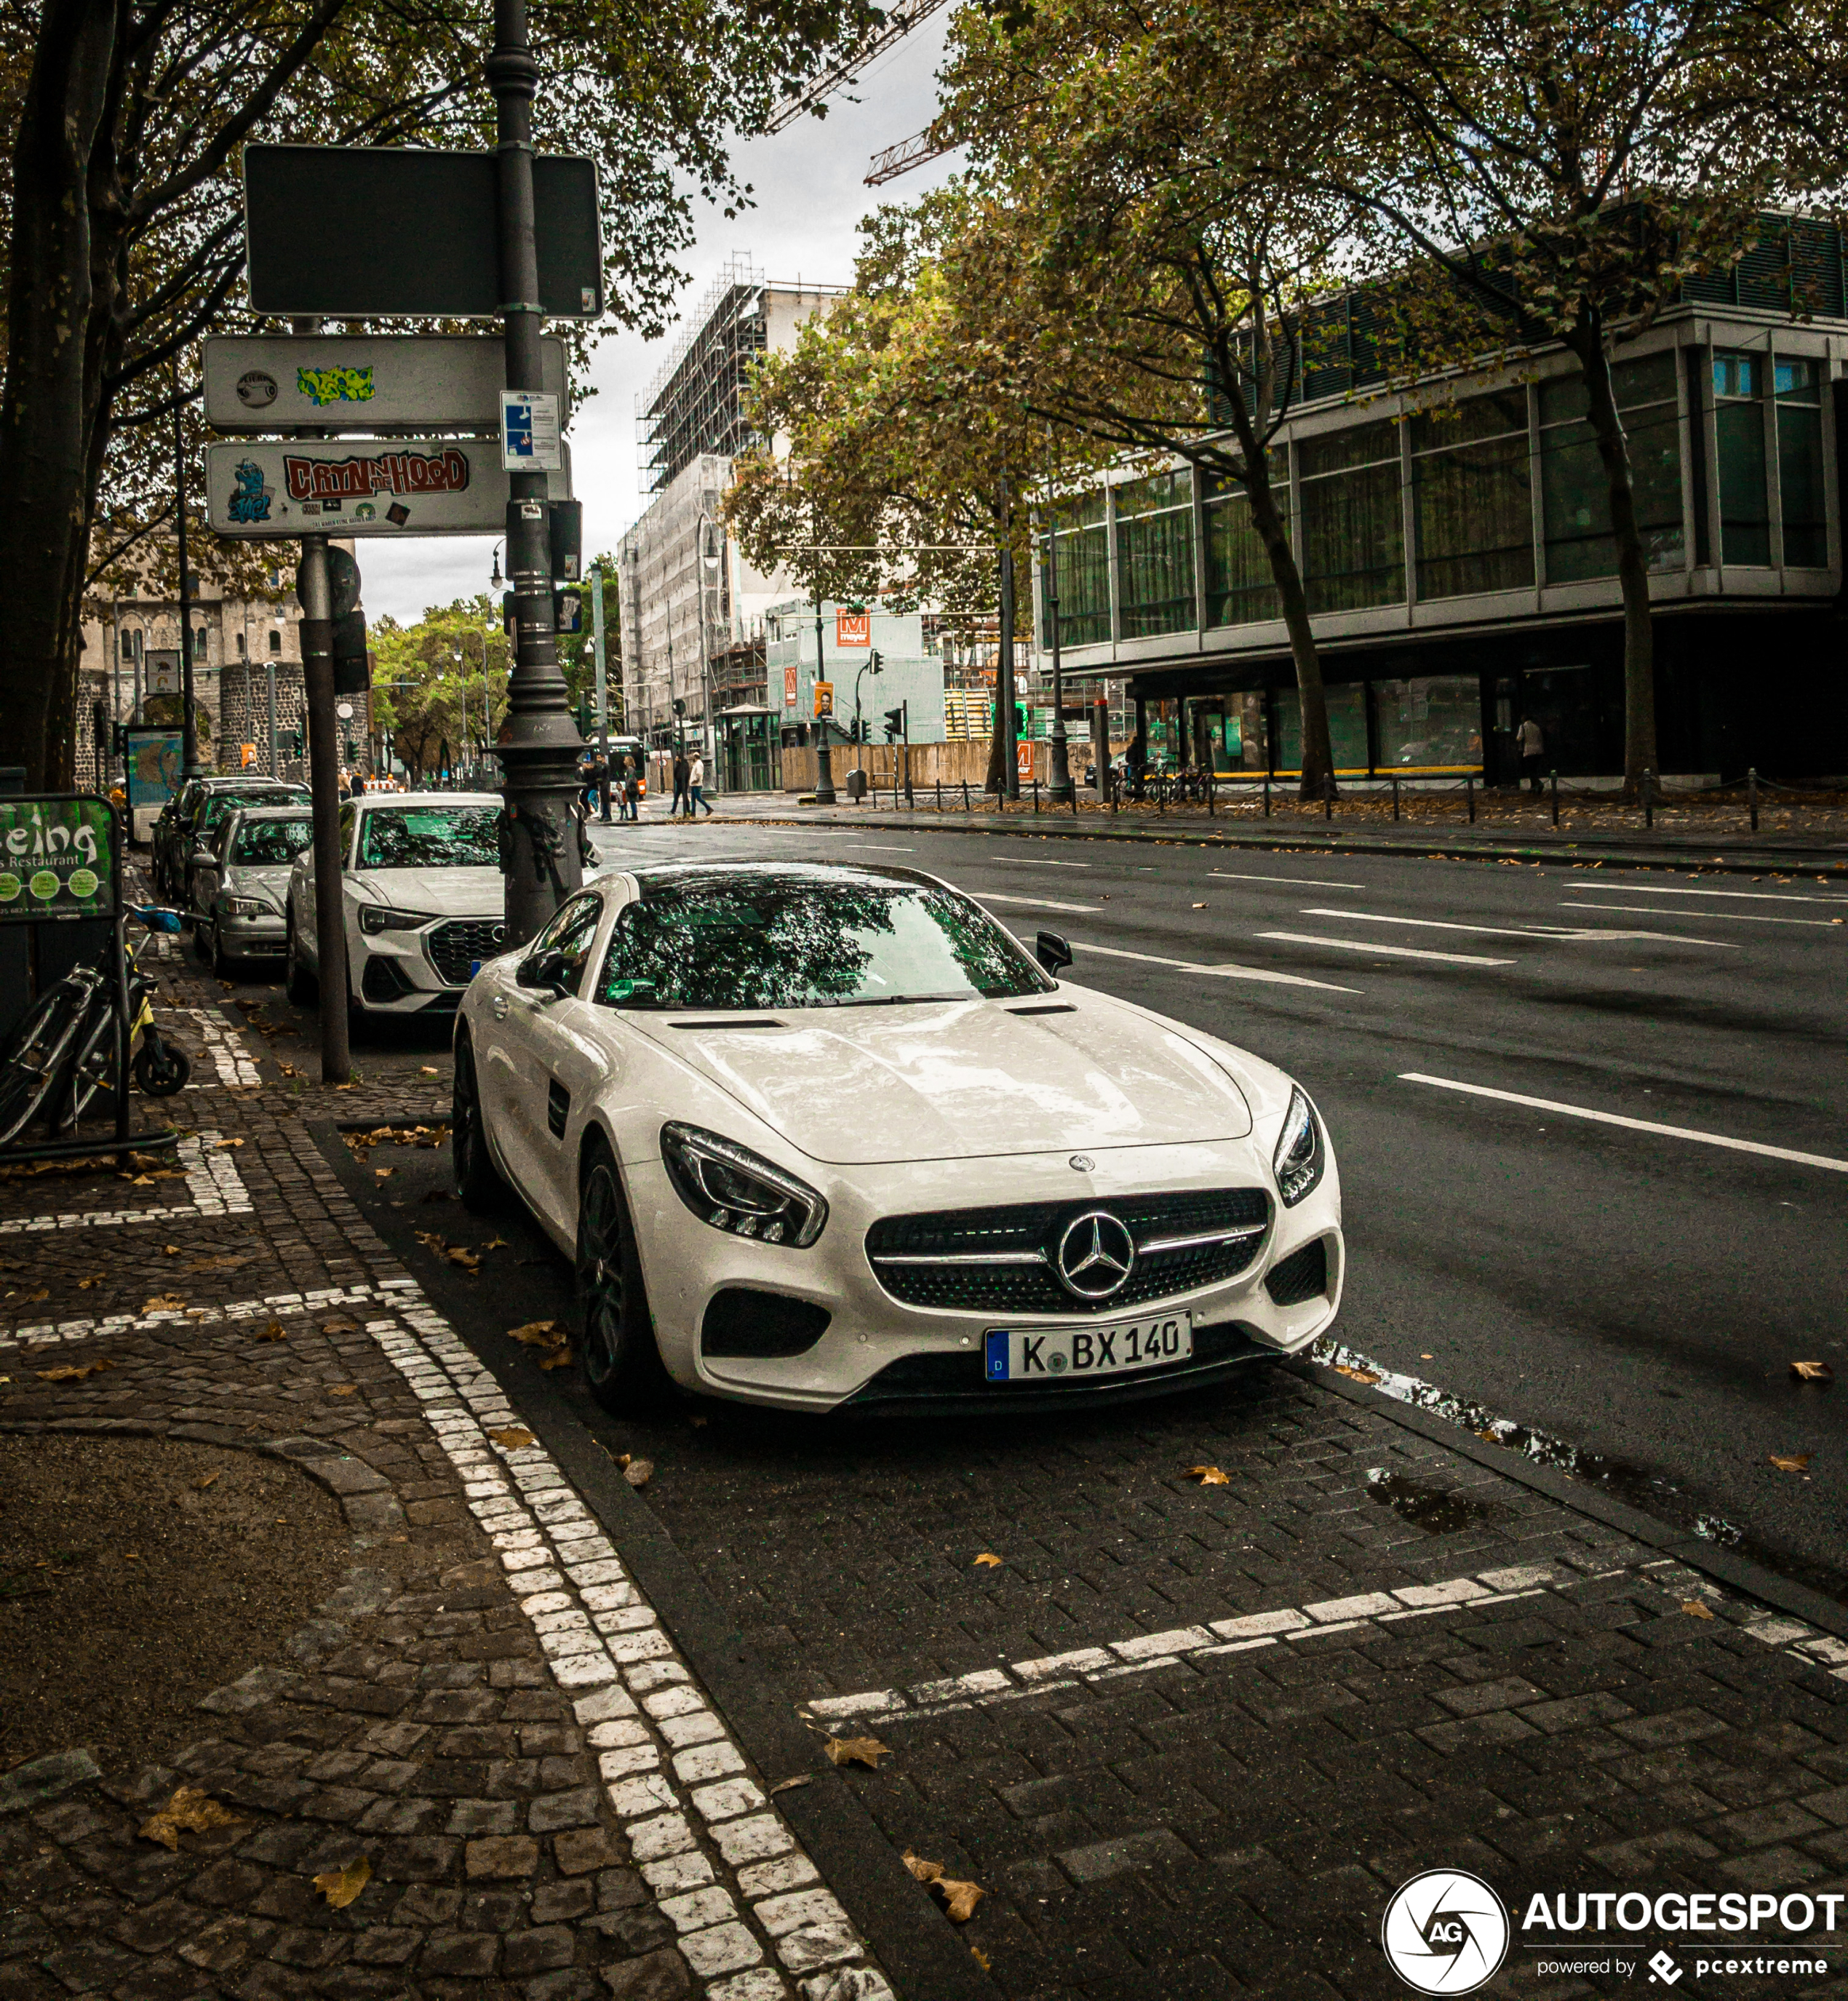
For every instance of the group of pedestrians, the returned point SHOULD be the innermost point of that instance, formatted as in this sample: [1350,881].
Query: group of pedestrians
[626,788]
[689,786]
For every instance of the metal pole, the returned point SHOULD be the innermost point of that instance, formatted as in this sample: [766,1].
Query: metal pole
[1751,787]
[324,783]
[539,757]
[1061,788]
[1003,665]
[905,710]
[824,769]
[1555,799]
[603,707]
[190,765]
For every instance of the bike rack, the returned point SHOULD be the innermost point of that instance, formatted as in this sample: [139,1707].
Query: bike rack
[124,1142]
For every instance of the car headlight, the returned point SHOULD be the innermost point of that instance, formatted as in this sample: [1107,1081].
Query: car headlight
[1301,1155]
[739,1192]
[378,918]
[240,906]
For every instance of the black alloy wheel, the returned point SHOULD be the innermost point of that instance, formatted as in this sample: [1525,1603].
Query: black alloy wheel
[478,1181]
[616,1337]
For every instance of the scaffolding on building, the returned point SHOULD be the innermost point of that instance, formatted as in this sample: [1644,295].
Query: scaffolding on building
[695,404]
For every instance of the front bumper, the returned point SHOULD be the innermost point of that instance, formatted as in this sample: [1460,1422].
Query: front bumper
[396,973]
[878,1353]
[261,937]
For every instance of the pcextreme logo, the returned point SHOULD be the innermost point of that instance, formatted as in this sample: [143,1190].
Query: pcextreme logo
[1445,1932]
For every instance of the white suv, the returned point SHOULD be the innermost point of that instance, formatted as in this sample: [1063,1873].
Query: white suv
[422,895]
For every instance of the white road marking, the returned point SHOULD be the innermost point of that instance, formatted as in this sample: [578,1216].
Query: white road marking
[275,1305]
[1632,1125]
[1544,934]
[1384,951]
[233,1064]
[211,1176]
[1229,971]
[1034,902]
[1714,917]
[1032,862]
[1748,895]
[886,847]
[1293,881]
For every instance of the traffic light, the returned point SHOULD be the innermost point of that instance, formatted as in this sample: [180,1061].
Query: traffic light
[680,705]
[875,662]
[894,724]
[565,532]
[353,665]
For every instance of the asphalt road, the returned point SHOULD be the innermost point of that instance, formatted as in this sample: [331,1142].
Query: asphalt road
[1636,1297]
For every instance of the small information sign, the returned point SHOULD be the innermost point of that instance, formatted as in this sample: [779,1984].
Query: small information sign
[529,431]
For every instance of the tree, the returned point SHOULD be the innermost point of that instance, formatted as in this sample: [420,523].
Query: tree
[125,235]
[443,680]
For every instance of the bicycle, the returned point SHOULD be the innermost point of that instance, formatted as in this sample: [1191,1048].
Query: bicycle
[64,1052]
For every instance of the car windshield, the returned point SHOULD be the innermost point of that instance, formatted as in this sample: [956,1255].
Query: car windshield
[430,837]
[271,844]
[221,803]
[731,942]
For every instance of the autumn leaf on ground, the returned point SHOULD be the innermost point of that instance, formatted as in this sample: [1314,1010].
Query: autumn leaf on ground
[1695,1609]
[169,1250]
[31,1299]
[639,1472]
[1357,1375]
[556,1358]
[274,1332]
[1792,1462]
[224,1144]
[382,1174]
[460,1254]
[1812,1371]
[340,1324]
[84,1285]
[789,1785]
[988,1559]
[229,1261]
[190,1811]
[1210,1476]
[341,1886]
[512,1436]
[493,1244]
[205,1481]
[343,1388]
[540,1334]
[1199,907]
[960,1898]
[867,1751]
[75,1371]
[428,1069]
[164,1302]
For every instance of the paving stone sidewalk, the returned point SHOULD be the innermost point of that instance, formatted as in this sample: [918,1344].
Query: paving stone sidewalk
[487,1714]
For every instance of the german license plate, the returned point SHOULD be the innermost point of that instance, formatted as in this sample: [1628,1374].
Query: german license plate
[1045,1355]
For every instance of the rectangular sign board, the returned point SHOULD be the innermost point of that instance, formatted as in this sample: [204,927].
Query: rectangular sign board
[56,859]
[394,385]
[529,430]
[365,232]
[357,486]
[155,759]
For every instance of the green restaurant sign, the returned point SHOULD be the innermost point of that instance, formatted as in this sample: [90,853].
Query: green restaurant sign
[57,857]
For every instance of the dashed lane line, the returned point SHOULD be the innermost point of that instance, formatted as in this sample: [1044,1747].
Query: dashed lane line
[1384,951]
[1035,902]
[1839,898]
[1034,861]
[1708,917]
[1725,1139]
[1291,882]
[1228,971]
[1539,933]
[211,1177]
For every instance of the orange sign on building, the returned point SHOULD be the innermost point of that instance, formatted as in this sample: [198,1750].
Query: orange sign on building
[853,629]
[791,695]
[824,697]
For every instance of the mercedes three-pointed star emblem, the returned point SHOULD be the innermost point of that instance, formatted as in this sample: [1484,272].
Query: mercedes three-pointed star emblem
[1095,1255]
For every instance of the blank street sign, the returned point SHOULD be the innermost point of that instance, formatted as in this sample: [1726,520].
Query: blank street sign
[358,232]
[404,385]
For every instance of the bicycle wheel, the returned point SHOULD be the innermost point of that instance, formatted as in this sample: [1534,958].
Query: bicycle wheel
[35,1058]
[93,1067]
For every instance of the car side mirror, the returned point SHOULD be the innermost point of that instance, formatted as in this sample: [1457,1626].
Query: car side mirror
[544,969]
[1052,951]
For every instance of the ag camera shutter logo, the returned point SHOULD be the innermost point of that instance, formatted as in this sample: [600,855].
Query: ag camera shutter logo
[1445,1932]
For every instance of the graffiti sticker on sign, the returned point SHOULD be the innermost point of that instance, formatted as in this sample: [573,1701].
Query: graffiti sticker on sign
[56,857]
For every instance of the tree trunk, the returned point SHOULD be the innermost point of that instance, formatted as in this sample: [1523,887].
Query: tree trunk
[1587,342]
[998,738]
[50,412]
[1318,754]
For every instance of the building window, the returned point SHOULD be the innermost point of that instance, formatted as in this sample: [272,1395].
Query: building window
[1347,727]
[1353,534]
[128,640]
[1431,722]
[1574,493]
[240,645]
[1797,389]
[1739,431]
[1155,555]
[1083,572]
[1473,496]
[1241,589]
[275,641]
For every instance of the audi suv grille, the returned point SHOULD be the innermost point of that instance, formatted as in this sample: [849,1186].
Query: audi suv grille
[1005,1261]
[455,946]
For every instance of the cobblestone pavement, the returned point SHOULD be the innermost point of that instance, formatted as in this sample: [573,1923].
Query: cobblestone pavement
[486,1723]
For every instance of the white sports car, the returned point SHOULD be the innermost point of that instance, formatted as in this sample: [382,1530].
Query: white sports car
[422,895]
[821,1136]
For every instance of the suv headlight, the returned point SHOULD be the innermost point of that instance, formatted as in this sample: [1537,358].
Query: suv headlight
[739,1191]
[377,917]
[240,906]
[1301,1154]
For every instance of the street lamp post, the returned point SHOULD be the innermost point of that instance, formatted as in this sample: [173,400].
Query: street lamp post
[824,769]
[540,757]
[603,705]
[1061,790]
[189,713]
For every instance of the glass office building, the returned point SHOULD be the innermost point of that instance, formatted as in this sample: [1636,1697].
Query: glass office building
[1454,541]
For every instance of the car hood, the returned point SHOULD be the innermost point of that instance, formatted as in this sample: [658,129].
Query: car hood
[444,892]
[240,880]
[962,1080]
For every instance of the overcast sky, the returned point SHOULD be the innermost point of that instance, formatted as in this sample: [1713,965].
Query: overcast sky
[809,188]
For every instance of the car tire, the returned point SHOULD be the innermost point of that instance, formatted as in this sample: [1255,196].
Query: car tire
[222,961]
[615,1330]
[202,948]
[301,985]
[477,1182]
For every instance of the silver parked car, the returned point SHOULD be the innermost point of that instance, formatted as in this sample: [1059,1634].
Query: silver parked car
[240,887]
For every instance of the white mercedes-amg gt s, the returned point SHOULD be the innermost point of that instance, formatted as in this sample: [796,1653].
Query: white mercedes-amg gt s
[822,1136]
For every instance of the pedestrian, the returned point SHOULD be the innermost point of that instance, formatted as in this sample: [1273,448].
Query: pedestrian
[696,780]
[1532,748]
[682,771]
[631,790]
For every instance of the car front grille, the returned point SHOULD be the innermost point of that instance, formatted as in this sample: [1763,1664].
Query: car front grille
[458,945]
[1303,1274]
[1003,1260]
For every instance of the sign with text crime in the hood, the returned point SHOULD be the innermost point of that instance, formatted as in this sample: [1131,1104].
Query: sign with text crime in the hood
[363,486]
[402,385]
[57,858]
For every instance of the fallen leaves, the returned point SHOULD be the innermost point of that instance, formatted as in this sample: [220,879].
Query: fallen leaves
[164,1302]
[343,1388]
[85,1285]
[1812,1371]
[551,1336]
[75,1371]
[1209,1476]
[637,1472]
[1199,907]
[1790,1462]
[225,1145]
[341,1886]
[204,1481]
[340,1324]
[867,1751]
[189,1811]
[960,1898]
[428,1069]
[512,1436]
[988,1559]
[1695,1609]
[790,1785]
[228,1262]
[1356,1375]
[274,1332]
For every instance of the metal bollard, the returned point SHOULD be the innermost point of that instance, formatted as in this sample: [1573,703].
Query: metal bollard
[1555,798]
[940,795]
[1036,792]
[1328,795]
[1266,795]
[1752,789]
[1210,808]
[1648,797]
[965,795]
[1395,796]
[1469,787]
